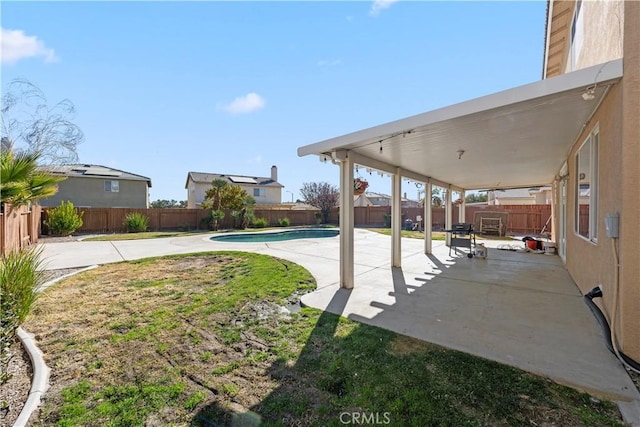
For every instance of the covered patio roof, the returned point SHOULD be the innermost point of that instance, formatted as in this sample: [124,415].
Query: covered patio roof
[519,137]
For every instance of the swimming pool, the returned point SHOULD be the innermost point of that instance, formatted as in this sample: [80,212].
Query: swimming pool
[277,236]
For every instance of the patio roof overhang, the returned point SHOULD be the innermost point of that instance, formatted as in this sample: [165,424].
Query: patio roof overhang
[519,137]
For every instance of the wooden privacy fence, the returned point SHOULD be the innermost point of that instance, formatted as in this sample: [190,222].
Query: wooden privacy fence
[525,219]
[19,226]
[112,220]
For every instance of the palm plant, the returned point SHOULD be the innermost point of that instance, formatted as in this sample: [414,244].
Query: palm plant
[21,181]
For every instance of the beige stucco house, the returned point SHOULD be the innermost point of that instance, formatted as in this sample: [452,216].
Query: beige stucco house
[98,186]
[577,128]
[520,196]
[265,190]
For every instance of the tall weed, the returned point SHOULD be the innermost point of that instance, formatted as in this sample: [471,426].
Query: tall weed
[136,222]
[20,276]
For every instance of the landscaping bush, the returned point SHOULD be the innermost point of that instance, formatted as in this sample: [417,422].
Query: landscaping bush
[136,222]
[283,222]
[20,276]
[260,222]
[318,217]
[63,220]
[212,221]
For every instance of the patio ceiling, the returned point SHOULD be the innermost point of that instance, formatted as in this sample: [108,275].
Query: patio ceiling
[515,138]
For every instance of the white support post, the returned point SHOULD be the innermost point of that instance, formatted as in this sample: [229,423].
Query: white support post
[448,221]
[553,225]
[346,220]
[462,208]
[427,218]
[396,218]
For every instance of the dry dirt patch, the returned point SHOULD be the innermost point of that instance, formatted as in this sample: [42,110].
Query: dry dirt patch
[163,322]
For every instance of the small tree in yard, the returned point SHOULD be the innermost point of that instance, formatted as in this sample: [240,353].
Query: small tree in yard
[63,220]
[21,181]
[321,195]
[223,195]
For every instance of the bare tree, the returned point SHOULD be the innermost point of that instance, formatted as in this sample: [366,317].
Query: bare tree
[321,195]
[31,125]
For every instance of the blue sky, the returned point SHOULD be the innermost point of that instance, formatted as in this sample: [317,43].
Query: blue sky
[164,88]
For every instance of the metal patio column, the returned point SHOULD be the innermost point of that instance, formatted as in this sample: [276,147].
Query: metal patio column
[448,220]
[396,218]
[427,218]
[346,219]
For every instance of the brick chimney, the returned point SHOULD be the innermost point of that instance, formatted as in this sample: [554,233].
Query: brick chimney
[274,173]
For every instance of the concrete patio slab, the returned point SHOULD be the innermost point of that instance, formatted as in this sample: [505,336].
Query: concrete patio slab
[521,309]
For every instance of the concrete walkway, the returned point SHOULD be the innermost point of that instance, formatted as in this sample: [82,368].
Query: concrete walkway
[521,309]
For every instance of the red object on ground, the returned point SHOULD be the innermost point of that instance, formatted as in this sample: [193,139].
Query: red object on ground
[532,244]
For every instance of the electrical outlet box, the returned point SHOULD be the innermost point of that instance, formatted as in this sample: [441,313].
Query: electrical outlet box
[612,225]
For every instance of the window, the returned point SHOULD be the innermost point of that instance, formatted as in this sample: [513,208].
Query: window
[112,186]
[258,192]
[577,36]
[587,188]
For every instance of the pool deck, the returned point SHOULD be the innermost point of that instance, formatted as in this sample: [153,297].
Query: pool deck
[521,309]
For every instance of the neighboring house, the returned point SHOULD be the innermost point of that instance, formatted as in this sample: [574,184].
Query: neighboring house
[520,196]
[379,199]
[265,190]
[361,200]
[95,186]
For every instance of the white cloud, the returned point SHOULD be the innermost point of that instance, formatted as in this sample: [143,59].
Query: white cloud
[245,104]
[255,160]
[16,46]
[379,5]
[329,63]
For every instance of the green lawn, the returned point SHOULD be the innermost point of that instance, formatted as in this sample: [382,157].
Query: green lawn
[435,235]
[200,340]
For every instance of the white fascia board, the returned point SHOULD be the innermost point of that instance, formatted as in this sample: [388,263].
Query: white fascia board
[385,167]
[580,79]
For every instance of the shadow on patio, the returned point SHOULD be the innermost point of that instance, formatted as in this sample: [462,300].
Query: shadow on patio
[521,309]
[343,364]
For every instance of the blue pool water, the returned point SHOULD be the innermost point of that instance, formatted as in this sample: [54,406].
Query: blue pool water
[277,236]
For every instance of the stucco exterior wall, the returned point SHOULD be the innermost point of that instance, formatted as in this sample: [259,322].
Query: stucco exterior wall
[611,31]
[89,192]
[602,34]
[630,185]
[196,194]
[591,264]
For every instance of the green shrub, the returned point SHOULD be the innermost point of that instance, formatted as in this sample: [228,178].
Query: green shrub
[260,222]
[283,222]
[20,275]
[318,217]
[136,222]
[212,221]
[63,220]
